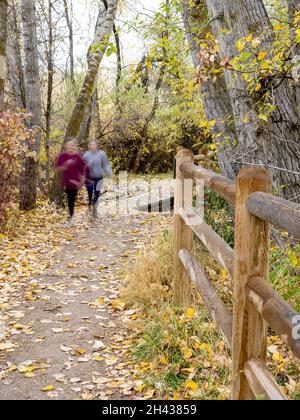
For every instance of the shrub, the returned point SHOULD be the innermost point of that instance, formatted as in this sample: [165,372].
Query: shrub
[13,136]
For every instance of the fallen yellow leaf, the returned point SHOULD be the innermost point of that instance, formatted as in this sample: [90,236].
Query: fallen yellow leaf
[98,358]
[191,385]
[80,351]
[190,313]
[48,388]
[187,352]
[277,357]
[87,397]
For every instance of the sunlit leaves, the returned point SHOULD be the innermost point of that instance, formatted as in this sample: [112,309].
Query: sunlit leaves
[168,46]
[240,45]
[101,46]
[111,49]
[261,60]
[245,56]
[261,55]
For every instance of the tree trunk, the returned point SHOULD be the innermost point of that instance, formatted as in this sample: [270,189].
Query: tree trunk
[15,64]
[104,29]
[97,123]
[119,68]
[69,23]
[274,144]
[30,175]
[85,129]
[92,109]
[3,39]
[141,76]
[80,118]
[294,14]
[49,105]
[214,92]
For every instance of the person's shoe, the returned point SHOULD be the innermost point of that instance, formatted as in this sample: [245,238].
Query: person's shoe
[69,222]
[95,212]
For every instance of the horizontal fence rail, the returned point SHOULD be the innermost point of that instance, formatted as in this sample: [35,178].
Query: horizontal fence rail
[256,305]
[215,304]
[275,310]
[262,382]
[281,213]
[220,184]
[222,252]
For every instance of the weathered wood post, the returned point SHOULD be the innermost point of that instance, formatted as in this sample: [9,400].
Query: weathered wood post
[183,235]
[252,246]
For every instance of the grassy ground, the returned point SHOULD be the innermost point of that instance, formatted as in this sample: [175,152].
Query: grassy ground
[180,352]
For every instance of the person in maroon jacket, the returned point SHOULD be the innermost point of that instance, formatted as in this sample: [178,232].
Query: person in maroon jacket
[71,169]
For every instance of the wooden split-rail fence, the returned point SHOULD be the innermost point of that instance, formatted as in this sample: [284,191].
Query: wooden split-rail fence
[257,306]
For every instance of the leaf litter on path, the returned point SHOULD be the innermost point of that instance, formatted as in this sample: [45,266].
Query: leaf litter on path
[50,275]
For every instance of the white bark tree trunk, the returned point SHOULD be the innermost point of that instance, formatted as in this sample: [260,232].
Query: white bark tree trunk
[30,175]
[3,41]
[50,87]
[14,56]
[104,29]
[69,22]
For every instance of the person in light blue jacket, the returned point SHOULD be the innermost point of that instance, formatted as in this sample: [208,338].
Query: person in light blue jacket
[97,167]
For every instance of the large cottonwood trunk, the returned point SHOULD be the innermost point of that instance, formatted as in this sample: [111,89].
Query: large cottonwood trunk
[104,29]
[30,173]
[215,97]
[274,144]
[294,15]
[3,40]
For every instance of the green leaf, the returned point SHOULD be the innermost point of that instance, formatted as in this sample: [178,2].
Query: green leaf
[245,56]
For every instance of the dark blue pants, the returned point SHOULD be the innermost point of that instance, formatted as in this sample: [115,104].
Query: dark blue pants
[93,191]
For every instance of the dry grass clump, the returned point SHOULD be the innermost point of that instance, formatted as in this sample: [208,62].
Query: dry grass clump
[149,281]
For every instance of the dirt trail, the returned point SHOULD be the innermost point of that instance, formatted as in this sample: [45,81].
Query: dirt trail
[75,343]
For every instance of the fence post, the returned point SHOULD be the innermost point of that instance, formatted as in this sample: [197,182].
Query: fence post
[183,235]
[252,247]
